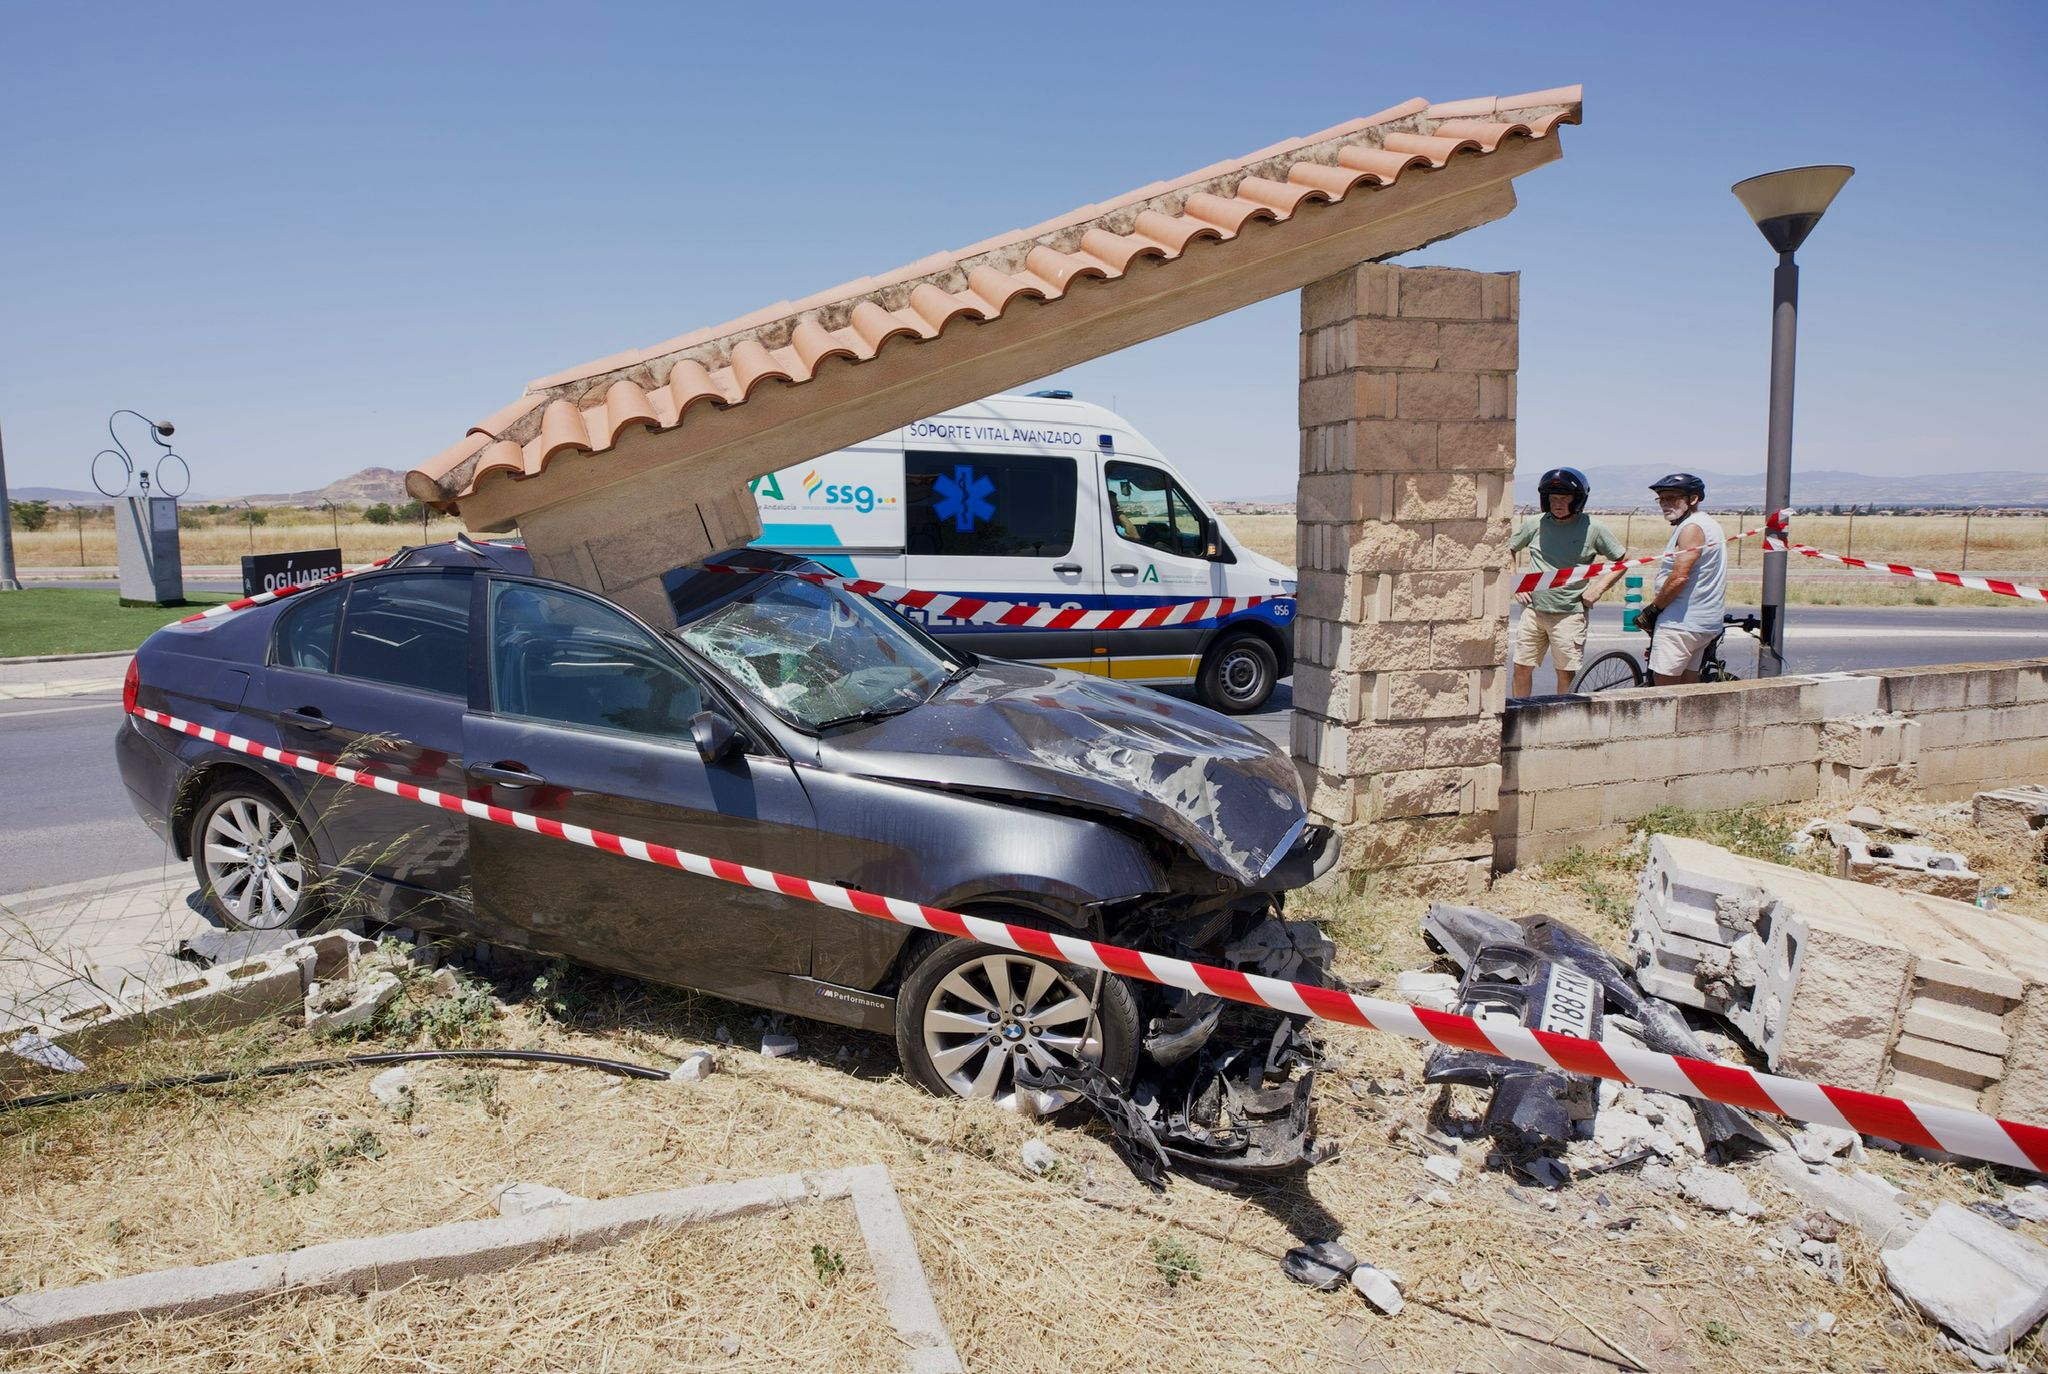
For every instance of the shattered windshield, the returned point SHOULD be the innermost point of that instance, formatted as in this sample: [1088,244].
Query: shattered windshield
[815,656]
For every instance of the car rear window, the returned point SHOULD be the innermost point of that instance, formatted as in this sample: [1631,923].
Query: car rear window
[410,631]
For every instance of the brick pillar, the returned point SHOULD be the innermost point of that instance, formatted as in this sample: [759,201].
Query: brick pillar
[1407,460]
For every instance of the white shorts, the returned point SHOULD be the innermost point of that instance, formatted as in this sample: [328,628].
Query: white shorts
[1562,633]
[1674,651]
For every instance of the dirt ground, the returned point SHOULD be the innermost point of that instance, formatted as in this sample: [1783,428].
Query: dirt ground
[1080,1267]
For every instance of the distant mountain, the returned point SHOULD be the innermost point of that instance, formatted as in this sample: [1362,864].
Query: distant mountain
[358,488]
[62,496]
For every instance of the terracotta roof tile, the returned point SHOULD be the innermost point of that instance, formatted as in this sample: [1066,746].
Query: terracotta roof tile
[586,409]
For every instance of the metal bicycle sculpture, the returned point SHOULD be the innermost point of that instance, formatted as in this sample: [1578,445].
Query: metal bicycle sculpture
[105,461]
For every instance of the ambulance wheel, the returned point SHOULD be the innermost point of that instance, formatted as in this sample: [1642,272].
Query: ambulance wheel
[1237,674]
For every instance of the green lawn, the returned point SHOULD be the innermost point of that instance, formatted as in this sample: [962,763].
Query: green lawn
[61,621]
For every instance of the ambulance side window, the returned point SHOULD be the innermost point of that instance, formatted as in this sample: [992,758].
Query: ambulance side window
[987,505]
[1147,507]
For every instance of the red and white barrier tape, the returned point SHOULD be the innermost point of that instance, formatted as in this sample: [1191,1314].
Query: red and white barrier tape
[264,598]
[1022,615]
[1565,577]
[1964,1133]
[1983,584]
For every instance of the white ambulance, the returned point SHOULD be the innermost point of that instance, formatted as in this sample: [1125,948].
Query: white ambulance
[1050,501]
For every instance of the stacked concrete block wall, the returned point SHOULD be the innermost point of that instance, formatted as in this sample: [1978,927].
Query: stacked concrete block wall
[1407,455]
[1576,771]
[2017,815]
[1930,999]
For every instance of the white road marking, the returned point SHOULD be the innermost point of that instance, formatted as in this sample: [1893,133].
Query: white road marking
[57,710]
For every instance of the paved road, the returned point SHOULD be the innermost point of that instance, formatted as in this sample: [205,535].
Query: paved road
[64,815]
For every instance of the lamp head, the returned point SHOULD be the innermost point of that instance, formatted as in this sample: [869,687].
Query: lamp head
[1787,205]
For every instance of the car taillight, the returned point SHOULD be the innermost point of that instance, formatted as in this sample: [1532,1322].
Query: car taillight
[131,686]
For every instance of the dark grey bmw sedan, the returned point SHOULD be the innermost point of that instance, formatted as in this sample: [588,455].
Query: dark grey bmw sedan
[786,726]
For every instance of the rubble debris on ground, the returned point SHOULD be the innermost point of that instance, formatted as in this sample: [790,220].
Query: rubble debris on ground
[2016,815]
[778,1046]
[1907,868]
[696,1065]
[1536,966]
[219,997]
[1039,1157]
[393,1088]
[1381,1289]
[1717,1190]
[332,1007]
[1986,1285]
[1862,987]
[524,1199]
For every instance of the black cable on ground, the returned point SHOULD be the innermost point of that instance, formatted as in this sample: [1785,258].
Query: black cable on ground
[585,1061]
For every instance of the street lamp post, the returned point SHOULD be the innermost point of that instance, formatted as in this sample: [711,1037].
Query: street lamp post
[1786,206]
[7,579]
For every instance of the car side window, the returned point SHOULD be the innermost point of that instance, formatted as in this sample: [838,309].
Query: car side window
[410,631]
[567,659]
[1148,507]
[305,636]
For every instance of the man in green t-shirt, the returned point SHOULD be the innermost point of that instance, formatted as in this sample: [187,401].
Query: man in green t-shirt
[1554,618]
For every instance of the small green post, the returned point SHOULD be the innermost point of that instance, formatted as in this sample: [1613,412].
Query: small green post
[1631,600]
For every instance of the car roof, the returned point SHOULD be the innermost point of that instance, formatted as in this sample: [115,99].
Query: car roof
[464,552]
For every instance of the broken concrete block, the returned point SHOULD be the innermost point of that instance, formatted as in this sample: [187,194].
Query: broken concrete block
[1039,1157]
[697,1065]
[1717,1190]
[2015,814]
[1819,1144]
[1908,868]
[778,1046]
[1442,1167]
[393,1087]
[1982,1282]
[216,945]
[358,1002]
[1379,1288]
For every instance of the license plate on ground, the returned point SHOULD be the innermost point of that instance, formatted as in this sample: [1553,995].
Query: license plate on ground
[1570,999]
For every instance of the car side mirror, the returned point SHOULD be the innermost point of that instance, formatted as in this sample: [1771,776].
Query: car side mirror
[716,737]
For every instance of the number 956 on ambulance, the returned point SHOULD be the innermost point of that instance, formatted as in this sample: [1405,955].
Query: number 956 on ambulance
[1048,501]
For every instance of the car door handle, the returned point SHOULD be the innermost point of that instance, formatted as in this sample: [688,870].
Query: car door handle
[1068,568]
[506,773]
[1125,569]
[308,718]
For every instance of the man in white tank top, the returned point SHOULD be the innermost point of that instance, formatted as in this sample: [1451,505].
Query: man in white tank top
[1692,581]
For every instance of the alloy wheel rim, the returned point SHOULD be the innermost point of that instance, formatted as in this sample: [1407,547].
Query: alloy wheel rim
[253,863]
[992,1013]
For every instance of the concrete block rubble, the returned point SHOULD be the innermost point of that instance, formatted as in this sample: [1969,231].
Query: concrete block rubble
[1854,984]
[1735,960]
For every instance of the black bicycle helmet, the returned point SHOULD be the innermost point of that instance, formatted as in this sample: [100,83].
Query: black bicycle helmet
[1567,481]
[1681,482]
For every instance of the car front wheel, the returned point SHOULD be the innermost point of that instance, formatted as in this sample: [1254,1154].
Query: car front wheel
[968,1014]
[253,863]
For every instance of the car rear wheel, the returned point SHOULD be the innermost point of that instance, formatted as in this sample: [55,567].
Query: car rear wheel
[969,1013]
[1237,674]
[253,862]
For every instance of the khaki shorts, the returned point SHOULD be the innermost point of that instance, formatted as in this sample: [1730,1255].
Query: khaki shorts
[1562,633]
[1674,651]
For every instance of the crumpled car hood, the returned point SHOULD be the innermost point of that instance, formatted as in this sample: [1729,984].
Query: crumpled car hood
[1218,788]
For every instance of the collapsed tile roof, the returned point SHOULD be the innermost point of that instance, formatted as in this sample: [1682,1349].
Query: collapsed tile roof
[1190,225]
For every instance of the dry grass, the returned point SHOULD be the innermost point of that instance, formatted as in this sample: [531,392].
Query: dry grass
[1029,1273]
[225,538]
[660,1300]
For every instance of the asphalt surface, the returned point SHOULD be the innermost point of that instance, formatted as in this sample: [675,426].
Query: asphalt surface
[65,816]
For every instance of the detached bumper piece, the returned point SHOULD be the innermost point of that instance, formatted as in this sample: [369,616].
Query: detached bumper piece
[1532,1109]
[1222,1089]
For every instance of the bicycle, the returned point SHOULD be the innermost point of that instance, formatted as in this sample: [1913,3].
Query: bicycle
[1620,668]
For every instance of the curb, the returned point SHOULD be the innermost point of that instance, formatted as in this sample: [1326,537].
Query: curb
[462,1248]
[63,687]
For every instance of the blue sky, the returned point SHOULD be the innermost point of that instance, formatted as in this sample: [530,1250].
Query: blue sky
[321,238]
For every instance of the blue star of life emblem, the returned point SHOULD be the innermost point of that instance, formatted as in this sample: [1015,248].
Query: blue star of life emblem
[964,498]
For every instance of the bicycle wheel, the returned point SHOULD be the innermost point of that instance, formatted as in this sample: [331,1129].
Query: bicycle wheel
[1615,668]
